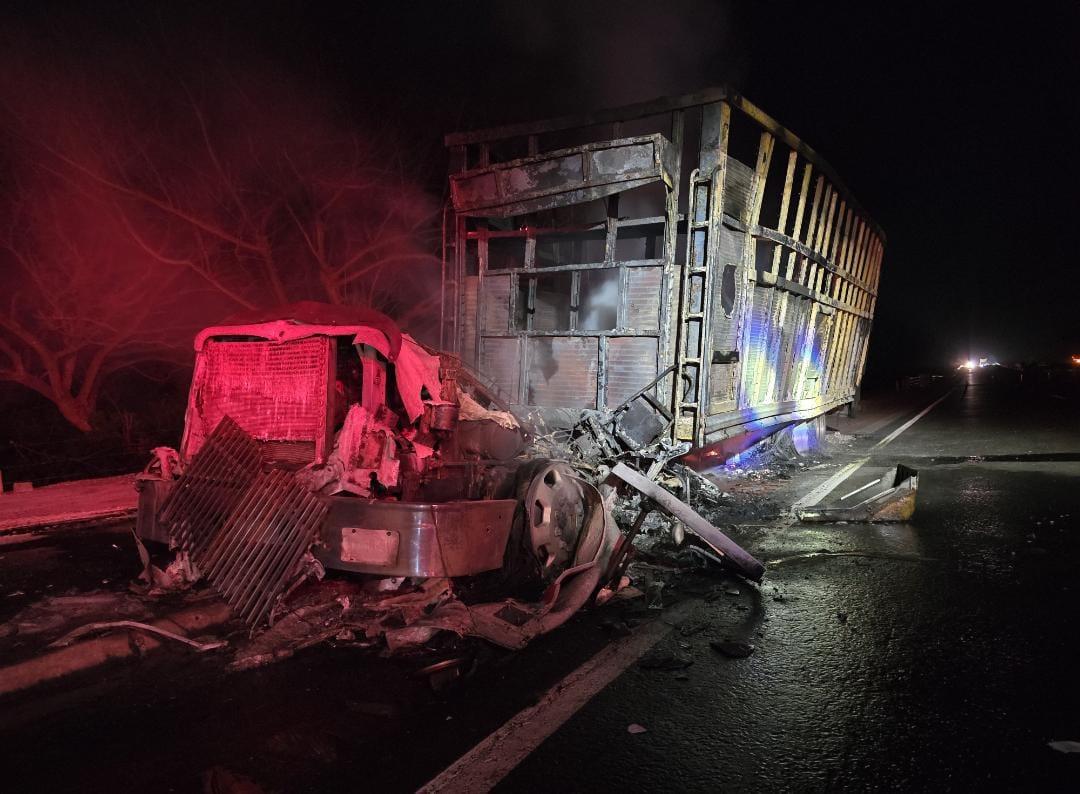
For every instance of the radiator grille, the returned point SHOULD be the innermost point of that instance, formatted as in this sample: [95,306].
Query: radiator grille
[260,549]
[246,530]
[290,453]
[215,479]
[274,391]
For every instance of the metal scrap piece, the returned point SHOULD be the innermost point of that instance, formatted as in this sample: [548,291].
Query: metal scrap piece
[247,531]
[750,567]
[90,628]
[214,482]
[893,500]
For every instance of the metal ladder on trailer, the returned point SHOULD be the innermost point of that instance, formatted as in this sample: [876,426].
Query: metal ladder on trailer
[691,386]
[449,290]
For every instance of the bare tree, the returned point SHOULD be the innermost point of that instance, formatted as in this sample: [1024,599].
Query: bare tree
[241,195]
[78,306]
[273,212]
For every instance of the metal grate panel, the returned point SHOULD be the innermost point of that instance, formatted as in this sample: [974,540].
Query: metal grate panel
[562,371]
[631,365]
[496,316]
[757,345]
[246,531]
[290,453]
[258,552]
[643,290]
[216,478]
[467,337]
[499,361]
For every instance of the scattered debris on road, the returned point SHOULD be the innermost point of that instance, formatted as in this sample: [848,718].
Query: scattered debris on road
[53,663]
[664,660]
[732,649]
[105,625]
[388,497]
[893,500]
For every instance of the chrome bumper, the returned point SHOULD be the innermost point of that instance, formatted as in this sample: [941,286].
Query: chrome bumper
[384,537]
[415,538]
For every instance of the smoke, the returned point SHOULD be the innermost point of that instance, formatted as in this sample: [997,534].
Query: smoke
[610,54]
[145,198]
[255,183]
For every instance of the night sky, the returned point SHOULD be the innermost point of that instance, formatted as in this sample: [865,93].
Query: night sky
[956,130]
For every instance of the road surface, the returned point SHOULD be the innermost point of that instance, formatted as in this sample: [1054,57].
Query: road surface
[933,655]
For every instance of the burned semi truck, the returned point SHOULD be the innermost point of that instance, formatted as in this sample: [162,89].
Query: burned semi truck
[322,437]
[620,290]
[690,247]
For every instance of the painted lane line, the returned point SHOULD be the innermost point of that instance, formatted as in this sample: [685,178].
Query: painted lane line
[495,757]
[827,487]
[873,427]
[892,436]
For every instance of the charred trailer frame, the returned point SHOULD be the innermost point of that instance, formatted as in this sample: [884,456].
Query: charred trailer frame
[584,256]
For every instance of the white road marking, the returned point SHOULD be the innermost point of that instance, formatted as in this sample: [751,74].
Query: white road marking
[827,487]
[493,758]
[912,421]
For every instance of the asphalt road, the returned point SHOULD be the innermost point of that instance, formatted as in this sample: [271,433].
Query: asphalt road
[933,655]
[940,655]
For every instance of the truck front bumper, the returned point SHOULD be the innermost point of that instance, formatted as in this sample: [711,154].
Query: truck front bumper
[384,537]
[415,538]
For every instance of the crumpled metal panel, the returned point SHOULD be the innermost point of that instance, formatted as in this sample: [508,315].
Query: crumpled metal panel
[567,176]
[259,550]
[211,486]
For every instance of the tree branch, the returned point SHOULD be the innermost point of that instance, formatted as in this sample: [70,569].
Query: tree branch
[164,206]
[381,263]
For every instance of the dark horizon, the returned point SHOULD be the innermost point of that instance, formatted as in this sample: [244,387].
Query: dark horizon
[643,448]
[952,130]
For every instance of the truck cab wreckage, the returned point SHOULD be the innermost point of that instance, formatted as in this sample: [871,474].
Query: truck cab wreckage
[605,311]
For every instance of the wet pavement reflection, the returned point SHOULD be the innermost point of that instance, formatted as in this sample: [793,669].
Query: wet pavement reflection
[933,655]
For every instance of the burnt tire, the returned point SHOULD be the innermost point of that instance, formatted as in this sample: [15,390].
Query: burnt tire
[520,575]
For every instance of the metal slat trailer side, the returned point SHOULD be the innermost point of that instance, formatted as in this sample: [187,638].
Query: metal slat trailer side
[587,254]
